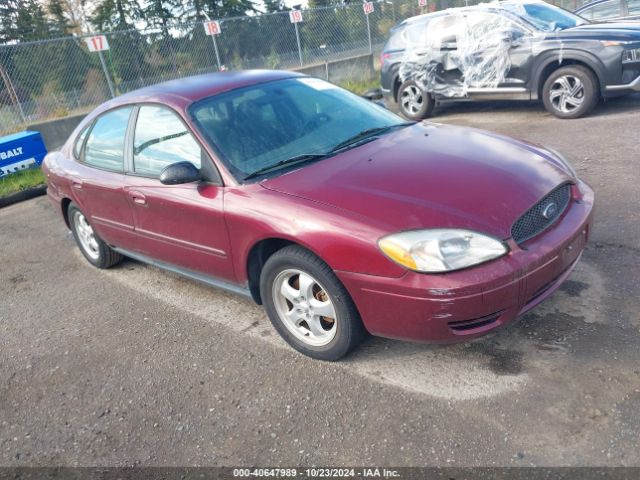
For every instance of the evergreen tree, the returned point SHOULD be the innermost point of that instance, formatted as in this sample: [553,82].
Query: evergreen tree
[115,14]
[196,9]
[8,14]
[273,6]
[60,24]
[322,3]
[160,13]
[31,23]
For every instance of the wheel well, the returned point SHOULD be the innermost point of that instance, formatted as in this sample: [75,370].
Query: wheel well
[258,256]
[64,204]
[553,66]
[396,87]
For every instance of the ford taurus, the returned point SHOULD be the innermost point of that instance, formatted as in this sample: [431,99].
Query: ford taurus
[332,212]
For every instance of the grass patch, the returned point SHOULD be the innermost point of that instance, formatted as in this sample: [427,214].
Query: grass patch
[360,86]
[18,181]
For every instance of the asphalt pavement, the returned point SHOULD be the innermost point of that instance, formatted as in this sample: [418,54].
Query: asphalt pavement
[137,366]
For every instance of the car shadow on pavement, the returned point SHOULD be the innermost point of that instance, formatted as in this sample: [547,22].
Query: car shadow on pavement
[570,327]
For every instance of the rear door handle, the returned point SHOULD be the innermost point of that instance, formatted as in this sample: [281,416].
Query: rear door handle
[77,185]
[138,198]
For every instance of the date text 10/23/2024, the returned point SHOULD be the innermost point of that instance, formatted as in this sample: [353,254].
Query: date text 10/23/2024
[316,472]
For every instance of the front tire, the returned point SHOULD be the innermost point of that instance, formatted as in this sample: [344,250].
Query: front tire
[98,253]
[415,103]
[308,305]
[571,92]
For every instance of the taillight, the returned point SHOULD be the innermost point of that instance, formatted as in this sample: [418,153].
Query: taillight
[383,57]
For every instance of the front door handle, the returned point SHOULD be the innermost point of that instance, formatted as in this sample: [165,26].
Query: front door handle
[77,185]
[138,198]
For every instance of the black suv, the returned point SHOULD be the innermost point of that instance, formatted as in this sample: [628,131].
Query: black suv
[509,50]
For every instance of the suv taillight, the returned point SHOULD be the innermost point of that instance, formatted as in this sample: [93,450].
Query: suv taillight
[383,57]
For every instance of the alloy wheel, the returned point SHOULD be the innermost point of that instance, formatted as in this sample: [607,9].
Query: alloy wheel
[304,307]
[86,236]
[411,99]
[567,93]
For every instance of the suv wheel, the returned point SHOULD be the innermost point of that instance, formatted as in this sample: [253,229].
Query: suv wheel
[91,245]
[570,92]
[415,103]
[308,305]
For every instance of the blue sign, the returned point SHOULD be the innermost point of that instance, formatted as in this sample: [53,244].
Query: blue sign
[21,151]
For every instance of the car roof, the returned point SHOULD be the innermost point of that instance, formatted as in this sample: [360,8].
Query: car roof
[191,89]
[491,6]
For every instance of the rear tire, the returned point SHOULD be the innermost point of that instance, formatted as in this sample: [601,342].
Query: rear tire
[308,305]
[415,103]
[98,253]
[571,92]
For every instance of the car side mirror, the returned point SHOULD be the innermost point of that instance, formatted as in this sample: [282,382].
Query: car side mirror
[180,172]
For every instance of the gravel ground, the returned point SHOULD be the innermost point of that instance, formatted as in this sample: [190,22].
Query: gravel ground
[136,366]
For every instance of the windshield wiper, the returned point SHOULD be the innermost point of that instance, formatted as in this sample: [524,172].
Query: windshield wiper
[305,157]
[366,134]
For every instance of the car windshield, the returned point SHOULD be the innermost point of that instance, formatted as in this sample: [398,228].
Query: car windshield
[545,17]
[256,127]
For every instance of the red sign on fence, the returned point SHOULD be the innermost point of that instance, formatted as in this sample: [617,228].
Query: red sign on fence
[422,3]
[295,16]
[212,27]
[97,43]
[368,7]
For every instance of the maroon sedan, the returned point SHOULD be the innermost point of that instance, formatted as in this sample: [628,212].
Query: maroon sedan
[334,213]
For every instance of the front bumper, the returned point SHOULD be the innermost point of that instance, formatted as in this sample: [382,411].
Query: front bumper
[457,306]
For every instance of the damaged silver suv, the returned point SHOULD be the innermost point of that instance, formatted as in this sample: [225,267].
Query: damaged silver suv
[509,50]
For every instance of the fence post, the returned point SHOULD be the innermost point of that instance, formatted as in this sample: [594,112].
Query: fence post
[106,74]
[295,24]
[369,33]
[215,47]
[77,97]
[12,93]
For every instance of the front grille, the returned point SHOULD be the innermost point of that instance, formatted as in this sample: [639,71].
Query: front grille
[542,214]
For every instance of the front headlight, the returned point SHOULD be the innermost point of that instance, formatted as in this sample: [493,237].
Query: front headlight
[565,163]
[631,55]
[440,250]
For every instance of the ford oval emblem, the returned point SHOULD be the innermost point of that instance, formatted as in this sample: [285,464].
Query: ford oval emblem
[549,210]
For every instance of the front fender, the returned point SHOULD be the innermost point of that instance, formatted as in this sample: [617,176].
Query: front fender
[342,239]
[567,56]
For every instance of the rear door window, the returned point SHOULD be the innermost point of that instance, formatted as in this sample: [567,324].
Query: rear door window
[443,32]
[105,145]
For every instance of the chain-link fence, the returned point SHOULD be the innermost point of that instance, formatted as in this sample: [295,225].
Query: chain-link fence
[55,78]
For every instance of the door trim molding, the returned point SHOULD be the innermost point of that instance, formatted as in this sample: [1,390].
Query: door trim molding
[180,243]
[110,223]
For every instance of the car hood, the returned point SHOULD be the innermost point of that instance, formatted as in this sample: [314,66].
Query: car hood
[623,32]
[428,176]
